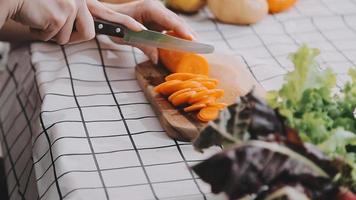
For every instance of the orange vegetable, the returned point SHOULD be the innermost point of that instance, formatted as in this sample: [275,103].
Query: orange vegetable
[198,89]
[182,98]
[207,100]
[203,79]
[208,113]
[194,107]
[220,106]
[208,84]
[217,93]
[183,62]
[178,93]
[184,76]
[199,96]
[276,6]
[189,84]
[168,87]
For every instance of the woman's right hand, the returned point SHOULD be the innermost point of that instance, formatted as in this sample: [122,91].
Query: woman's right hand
[55,19]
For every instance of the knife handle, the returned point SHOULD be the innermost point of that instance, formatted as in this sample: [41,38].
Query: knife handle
[109,28]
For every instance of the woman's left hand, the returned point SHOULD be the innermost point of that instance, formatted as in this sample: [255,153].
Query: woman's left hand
[154,15]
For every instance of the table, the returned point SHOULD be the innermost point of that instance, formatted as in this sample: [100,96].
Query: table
[75,124]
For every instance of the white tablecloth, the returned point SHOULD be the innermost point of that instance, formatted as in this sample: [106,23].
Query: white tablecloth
[76,125]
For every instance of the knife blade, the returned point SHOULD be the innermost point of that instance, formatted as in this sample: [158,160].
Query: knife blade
[151,38]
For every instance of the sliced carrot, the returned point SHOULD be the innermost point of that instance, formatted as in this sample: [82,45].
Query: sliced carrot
[199,96]
[178,93]
[198,89]
[208,84]
[208,113]
[201,79]
[184,76]
[189,84]
[220,106]
[194,107]
[207,100]
[217,93]
[167,87]
[182,98]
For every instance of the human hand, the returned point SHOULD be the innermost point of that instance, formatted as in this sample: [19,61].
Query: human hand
[55,19]
[154,15]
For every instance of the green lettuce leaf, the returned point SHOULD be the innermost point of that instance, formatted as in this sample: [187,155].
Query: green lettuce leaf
[308,101]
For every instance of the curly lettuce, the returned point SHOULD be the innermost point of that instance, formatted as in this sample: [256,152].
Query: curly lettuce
[310,104]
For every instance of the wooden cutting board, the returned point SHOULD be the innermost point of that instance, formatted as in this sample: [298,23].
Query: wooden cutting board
[234,78]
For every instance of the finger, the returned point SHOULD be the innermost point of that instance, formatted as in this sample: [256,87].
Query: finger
[170,21]
[64,34]
[48,32]
[150,52]
[84,26]
[99,10]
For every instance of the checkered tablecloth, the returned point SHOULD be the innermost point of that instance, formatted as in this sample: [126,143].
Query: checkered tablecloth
[76,125]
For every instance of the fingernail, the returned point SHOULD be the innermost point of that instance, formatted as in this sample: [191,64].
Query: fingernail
[142,27]
[154,58]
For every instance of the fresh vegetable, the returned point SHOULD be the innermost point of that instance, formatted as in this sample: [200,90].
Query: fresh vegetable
[308,103]
[208,113]
[276,6]
[183,76]
[185,6]
[239,11]
[265,158]
[193,92]
[183,62]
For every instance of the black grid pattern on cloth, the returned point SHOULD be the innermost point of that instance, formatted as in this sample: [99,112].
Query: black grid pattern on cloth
[122,118]
[50,148]
[16,142]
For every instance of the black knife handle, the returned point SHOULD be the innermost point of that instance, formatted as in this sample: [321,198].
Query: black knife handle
[109,28]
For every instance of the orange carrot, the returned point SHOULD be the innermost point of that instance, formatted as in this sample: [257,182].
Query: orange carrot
[182,98]
[178,93]
[220,106]
[194,107]
[189,84]
[182,61]
[208,84]
[202,79]
[209,100]
[276,6]
[168,87]
[217,93]
[198,96]
[208,113]
[184,76]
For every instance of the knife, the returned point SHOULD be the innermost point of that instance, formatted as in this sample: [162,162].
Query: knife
[150,38]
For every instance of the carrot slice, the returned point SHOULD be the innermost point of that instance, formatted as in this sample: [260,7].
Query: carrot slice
[217,93]
[199,96]
[198,89]
[167,87]
[207,100]
[194,107]
[178,93]
[182,98]
[189,84]
[184,76]
[220,106]
[201,79]
[208,84]
[208,113]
